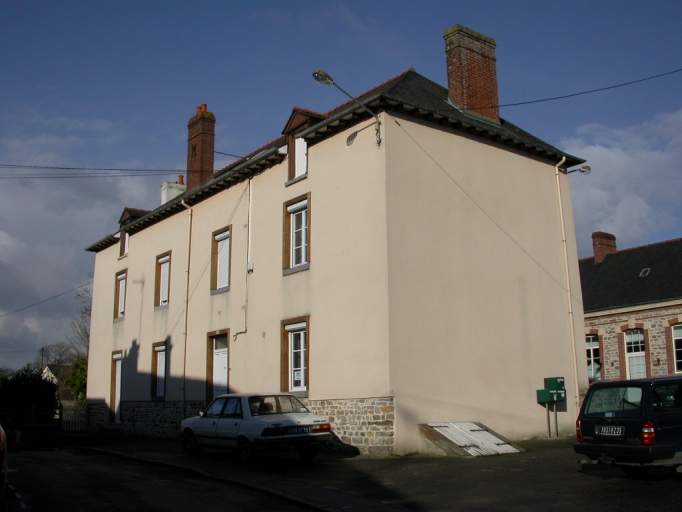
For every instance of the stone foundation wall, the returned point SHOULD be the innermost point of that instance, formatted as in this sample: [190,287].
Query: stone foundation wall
[365,423]
[148,419]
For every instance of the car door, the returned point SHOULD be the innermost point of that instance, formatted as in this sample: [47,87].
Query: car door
[667,408]
[205,428]
[229,422]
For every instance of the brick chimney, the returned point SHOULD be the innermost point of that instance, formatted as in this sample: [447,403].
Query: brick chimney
[602,244]
[200,146]
[472,71]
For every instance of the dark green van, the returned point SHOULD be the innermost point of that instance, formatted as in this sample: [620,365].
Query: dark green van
[635,424]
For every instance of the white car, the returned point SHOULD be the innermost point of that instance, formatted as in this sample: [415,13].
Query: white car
[255,422]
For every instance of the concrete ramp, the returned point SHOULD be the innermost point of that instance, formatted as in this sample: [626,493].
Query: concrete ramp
[464,439]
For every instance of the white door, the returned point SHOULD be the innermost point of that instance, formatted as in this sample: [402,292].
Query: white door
[219,365]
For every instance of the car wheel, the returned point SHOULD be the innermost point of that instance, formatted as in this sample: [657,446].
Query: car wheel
[307,453]
[247,452]
[191,445]
[635,471]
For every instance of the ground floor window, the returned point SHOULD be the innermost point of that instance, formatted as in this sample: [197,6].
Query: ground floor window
[677,344]
[159,370]
[295,355]
[635,354]
[593,357]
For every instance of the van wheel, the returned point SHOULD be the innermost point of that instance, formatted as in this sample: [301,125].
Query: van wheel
[247,452]
[635,471]
[191,445]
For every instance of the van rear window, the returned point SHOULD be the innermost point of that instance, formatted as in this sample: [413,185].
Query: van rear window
[615,402]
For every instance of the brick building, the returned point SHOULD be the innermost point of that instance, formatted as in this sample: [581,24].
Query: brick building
[633,309]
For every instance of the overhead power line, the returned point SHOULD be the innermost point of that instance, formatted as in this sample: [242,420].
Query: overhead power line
[45,300]
[579,93]
[97,172]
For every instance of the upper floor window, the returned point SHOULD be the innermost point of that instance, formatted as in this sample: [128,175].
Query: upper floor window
[297,234]
[593,357]
[125,243]
[120,294]
[298,158]
[162,288]
[220,259]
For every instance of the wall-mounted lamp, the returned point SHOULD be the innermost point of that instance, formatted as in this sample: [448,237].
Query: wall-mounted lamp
[585,169]
[324,78]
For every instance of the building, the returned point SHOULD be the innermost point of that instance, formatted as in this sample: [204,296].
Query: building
[395,261]
[633,309]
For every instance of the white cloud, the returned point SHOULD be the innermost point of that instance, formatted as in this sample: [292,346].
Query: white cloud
[635,188]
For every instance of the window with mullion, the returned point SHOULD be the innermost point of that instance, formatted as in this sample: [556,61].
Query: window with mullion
[635,352]
[593,357]
[677,344]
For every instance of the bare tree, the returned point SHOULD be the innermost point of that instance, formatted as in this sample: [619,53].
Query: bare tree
[57,353]
[79,339]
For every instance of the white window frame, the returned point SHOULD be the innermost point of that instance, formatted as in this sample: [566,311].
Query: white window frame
[164,279]
[635,348]
[298,211]
[592,344]
[297,374]
[677,347]
[160,355]
[223,260]
[121,280]
[300,157]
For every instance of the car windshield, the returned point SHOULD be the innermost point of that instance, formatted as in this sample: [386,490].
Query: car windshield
[615,402]
[275,404]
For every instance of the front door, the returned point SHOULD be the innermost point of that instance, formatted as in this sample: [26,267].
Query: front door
[220,365]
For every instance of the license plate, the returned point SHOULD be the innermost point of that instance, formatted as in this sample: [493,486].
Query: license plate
[298,430]
[610,430]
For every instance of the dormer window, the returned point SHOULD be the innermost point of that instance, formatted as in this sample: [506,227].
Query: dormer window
[125,241]
[298,158]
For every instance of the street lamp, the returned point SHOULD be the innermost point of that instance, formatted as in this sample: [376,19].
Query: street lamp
[324,78]
[585,169]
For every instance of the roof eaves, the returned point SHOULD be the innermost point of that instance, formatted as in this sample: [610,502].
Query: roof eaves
[255,165]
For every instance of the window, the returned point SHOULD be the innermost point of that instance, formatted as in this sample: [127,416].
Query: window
[115,396]
[125,243]
[677,344]
[220,260]
[593,358]
[159,370]
[635,354]
[295,352]
[296,253]
[298,158]
[162,289]
[120,294]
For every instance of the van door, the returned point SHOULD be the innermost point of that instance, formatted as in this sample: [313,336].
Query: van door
[667,409]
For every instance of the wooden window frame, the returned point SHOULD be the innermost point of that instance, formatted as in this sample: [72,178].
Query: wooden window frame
[284,353]
[287,234]
[118,314]
[116,355]
[294,157]
[215,244]
[157,279]
[209,361]
[124,245]
[157,348]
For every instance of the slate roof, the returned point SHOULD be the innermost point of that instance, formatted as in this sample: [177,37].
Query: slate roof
[616,282]
[409,94]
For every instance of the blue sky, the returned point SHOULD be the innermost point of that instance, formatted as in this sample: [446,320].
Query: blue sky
[113,84]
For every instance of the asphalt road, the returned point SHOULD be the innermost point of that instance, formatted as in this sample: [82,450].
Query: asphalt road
[68,480]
